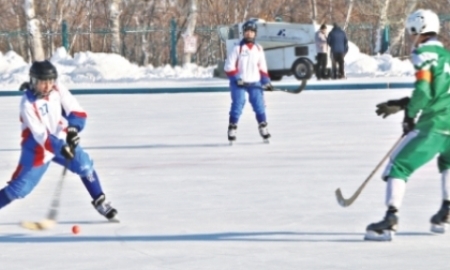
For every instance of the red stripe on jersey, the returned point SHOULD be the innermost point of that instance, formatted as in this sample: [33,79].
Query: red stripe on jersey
[36,111]
[231,73]
[39,154]
[26,133]
[80,114]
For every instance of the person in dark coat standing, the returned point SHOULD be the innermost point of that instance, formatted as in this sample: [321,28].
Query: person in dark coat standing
[322,52]
[337,40]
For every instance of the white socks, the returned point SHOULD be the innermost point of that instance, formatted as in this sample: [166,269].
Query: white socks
[395,192]
[445,186]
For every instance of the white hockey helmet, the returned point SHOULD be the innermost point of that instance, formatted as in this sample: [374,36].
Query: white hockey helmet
[422,21]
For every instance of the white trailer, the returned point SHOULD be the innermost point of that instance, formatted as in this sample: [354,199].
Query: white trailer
[290,48]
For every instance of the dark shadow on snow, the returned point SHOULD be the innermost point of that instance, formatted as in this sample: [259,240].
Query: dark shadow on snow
[268,236]
[152,146]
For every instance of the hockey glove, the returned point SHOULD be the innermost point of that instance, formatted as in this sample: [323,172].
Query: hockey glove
[67,152]
[391,106]
[72,138]
[267,87]
[408,124]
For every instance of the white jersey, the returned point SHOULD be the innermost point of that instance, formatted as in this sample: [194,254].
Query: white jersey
[44,123]
[248,62]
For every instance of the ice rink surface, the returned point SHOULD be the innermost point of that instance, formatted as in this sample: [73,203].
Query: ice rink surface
[187,200]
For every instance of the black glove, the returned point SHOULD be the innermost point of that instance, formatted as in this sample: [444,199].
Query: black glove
[391,106]
[408,124]
[67,152]
[72,138]
[267,87]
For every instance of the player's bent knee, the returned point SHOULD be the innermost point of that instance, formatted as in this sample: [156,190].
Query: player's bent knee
[17,193]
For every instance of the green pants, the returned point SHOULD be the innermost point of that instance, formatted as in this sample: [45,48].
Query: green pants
[416,149]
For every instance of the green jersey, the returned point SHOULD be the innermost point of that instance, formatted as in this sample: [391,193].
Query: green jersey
[431,95]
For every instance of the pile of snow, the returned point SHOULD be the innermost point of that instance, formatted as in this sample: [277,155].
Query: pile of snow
[89,67]
[358,64]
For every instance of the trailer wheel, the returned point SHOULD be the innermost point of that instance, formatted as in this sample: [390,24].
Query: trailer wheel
[302,69]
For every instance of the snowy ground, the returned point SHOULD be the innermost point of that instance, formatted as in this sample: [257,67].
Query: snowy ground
[187,200]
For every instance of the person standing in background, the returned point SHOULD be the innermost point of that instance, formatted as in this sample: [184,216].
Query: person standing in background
[322,52]
[337,39]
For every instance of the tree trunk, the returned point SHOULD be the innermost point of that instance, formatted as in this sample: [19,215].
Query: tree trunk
[313,11]
[396,42]
[192,21]
[90,25]
[382,22]
[114,15]
[349,13]
[34,32]
[331,11]
[245,13]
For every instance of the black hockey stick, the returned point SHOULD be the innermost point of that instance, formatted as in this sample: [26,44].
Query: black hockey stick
[297,90]
[50,220]
[346,202]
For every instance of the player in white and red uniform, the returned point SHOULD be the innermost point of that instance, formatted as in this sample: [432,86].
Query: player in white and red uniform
[246,68]
[51,120]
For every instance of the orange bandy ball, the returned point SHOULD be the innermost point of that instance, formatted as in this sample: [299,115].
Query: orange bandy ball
[75,229]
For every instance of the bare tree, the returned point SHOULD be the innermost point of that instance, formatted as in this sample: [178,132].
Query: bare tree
[382,22]
[398,40]
[34,32]
[191,22]
[313,11]
[349,13]
[114,15]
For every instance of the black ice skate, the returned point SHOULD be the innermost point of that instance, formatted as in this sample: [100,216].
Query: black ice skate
[383,230]
[232,130]
[441,220]
[264,131]
[105,209]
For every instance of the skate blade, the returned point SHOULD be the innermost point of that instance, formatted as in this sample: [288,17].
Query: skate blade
[42,225]
[266,141]
[114,220]
[439,228]
[387,235]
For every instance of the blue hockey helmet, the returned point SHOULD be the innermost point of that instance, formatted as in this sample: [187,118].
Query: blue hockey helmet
[250,25]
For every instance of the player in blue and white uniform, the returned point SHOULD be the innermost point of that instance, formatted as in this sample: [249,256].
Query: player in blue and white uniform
[51,120]
[246,68]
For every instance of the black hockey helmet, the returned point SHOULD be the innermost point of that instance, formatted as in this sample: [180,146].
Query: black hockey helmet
[250,25]
[43,70]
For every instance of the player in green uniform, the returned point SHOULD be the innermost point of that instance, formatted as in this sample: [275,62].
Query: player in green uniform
[426,125]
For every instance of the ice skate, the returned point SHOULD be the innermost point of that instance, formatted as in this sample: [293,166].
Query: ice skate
[264,131]
[383,230]
[105,209]
[232,130]
[440,220]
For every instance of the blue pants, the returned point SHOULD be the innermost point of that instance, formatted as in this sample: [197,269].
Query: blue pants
[255,96]
[25,179]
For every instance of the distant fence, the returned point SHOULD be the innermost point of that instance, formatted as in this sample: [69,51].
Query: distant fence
[151,45]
